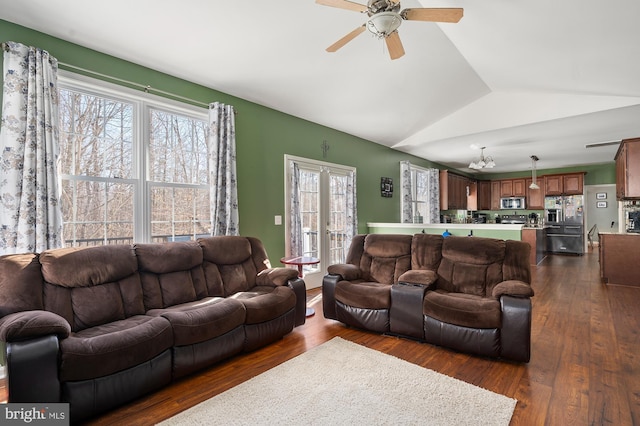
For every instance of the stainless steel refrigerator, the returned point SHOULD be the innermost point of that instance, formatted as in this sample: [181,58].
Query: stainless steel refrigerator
[564,216]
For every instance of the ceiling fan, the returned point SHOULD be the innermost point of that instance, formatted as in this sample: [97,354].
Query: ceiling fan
[385,17]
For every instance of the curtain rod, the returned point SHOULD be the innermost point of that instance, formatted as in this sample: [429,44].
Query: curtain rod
[145,88]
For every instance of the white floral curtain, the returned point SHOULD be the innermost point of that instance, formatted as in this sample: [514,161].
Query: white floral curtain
[30,211]
[433,191]
[352,210]
[295,219]
[222,169]
[406,193]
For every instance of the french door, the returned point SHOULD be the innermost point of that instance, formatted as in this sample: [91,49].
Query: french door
[321,221]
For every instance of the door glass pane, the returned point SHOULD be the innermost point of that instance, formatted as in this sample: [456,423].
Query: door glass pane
[310,213]
[337,218]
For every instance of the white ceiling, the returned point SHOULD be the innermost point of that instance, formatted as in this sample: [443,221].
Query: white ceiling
[527,77]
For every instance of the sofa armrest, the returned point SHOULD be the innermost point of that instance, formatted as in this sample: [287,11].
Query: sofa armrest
[276,276]
[347,271]
[423,277]
[515,333]
[512,288]
[300,289]
[31,324]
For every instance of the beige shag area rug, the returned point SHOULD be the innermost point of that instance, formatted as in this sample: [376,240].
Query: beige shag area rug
[342,383]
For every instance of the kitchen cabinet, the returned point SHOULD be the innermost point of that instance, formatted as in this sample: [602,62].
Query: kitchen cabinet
[564,184]
[484,195]
[535,197]
[619,258]
[495,195]
[628,170]
[457,192]
[513,188]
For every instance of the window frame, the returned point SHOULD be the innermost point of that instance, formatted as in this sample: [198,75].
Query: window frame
[142,103]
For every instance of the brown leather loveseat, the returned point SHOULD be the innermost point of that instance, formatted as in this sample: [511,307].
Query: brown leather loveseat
[99,326]
[466,293]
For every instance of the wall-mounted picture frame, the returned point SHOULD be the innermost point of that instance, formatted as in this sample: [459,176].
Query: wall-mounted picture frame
[386,187]
[601,195]
[601,204]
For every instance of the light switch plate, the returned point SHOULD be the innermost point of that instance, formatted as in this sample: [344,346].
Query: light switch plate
[278,219]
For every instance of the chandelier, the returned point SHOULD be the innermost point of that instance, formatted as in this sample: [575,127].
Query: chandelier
[483,162]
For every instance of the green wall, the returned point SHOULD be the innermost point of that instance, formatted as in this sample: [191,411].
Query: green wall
[263,137]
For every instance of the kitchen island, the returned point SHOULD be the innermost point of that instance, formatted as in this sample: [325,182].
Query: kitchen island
[619,258]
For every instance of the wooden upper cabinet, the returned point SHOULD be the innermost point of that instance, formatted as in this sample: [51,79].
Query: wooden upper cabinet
[456,192]
[535,197]
[495,194]
[628,169]
[565,184]
[519,188]
[573,184]
[484,195]
[506,188]
[513,188]
[553,185]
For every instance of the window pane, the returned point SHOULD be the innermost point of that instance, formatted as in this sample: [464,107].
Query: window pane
[97,213]
[177,149]
[95,136]
[179,213]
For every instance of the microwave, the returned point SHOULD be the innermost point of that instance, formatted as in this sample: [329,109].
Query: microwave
[511,203]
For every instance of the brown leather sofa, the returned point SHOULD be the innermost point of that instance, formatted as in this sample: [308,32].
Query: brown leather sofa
[97,327]
[466,293]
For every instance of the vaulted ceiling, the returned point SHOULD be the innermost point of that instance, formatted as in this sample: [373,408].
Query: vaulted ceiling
[521,78]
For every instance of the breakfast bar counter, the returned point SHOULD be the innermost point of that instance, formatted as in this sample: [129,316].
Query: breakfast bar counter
[489,230]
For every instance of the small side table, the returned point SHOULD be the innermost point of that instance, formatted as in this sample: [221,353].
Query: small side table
[300,261]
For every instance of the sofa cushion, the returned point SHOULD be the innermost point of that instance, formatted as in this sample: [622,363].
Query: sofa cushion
[229,264]
[199,321]
[426,251]
[88,266]
[20,283]
[364,294]
[461,309]
[385,257]
[171,273]
[109,348]
[264,303]
[75,278]
[470,266]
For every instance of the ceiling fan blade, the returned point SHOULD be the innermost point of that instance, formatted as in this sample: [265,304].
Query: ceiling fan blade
[433,14]
[343,4]
[394,45]
[346,39]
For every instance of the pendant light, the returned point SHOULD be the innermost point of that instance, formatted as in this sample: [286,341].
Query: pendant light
[533,185]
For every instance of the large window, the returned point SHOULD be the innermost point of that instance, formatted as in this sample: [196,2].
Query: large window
[133,169]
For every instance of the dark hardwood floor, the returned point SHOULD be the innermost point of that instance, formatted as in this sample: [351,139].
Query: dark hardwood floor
[584,369]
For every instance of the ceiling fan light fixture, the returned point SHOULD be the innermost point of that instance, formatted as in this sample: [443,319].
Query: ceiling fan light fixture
[384,23]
